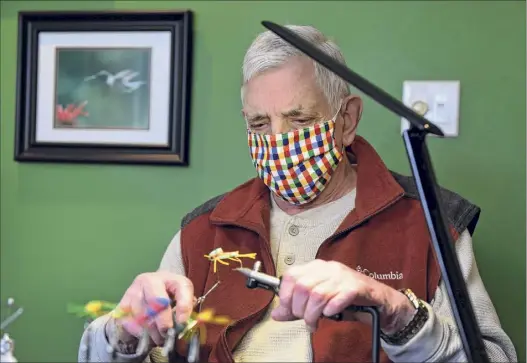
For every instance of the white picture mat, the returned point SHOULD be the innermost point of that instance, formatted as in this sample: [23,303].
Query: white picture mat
[159,42]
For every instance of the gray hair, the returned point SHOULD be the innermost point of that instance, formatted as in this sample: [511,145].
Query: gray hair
[270,51]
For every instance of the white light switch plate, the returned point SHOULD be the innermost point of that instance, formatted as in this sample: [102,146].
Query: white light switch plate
[442,99]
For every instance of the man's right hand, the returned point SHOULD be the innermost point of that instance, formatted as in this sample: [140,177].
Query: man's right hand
[144,290]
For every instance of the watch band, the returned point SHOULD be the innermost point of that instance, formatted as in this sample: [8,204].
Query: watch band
[414,326]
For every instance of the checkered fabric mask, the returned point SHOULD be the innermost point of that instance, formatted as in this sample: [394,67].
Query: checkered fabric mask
[296,165]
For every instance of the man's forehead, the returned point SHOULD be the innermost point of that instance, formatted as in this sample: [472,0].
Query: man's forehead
[289,89]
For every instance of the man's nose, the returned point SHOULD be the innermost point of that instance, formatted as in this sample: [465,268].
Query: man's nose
[279,126]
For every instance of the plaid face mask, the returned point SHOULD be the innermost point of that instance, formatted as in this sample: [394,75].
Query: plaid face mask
[296,165]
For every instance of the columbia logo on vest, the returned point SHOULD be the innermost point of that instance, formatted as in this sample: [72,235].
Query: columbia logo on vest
[384,276]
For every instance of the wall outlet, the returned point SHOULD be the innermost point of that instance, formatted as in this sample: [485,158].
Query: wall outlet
[437,101]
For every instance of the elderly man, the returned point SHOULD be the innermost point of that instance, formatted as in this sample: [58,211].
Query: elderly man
[326,214]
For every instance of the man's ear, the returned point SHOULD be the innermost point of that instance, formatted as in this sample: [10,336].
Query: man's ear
[351,114]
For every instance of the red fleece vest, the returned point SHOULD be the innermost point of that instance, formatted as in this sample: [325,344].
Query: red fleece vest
[385,234]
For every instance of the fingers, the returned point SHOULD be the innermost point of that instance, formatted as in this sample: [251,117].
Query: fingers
[290,280]
[308,302]
[296,289]
[341,301]
[130,301]
[318,298]
[153,289]
[316,289]
[281,313]
[143,295]
[183,291]
[155,334]
[302,292]
[156,328]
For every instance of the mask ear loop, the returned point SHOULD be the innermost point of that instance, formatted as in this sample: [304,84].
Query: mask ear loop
[341,131]
[343,148]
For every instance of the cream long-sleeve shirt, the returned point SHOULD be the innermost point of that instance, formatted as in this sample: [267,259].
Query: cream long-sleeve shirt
[295,240]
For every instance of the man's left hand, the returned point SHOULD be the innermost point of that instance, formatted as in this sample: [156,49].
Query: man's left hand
[328,287]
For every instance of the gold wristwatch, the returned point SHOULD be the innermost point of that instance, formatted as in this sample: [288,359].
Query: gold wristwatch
[414,326]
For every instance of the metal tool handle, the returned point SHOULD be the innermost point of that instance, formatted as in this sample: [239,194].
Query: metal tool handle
[375,325]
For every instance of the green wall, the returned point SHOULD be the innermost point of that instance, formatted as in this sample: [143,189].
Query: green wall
[71,233]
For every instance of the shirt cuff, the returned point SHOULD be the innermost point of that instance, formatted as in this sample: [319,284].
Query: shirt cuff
[422,346]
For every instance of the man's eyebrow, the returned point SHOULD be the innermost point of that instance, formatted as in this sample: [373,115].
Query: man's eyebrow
[300,111]
[256,117]
[293,113]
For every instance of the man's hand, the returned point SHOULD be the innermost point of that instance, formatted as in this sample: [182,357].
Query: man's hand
[327,288]
[146,288]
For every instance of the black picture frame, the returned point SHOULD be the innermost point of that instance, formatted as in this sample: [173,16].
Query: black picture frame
[174,151]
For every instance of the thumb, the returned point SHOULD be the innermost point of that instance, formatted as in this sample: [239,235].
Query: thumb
[281,313]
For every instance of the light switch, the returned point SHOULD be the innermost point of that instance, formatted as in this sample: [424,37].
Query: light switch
[437,101]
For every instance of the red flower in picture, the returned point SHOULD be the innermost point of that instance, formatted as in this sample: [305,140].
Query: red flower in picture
[68,116]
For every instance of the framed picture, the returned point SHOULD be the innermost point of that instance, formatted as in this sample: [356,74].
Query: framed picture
[104,87]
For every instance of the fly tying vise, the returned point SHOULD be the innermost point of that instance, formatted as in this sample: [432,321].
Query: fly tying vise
[193,331]
[97,308]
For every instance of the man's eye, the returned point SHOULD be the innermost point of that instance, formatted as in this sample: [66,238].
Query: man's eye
[303,121]
[257,126]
